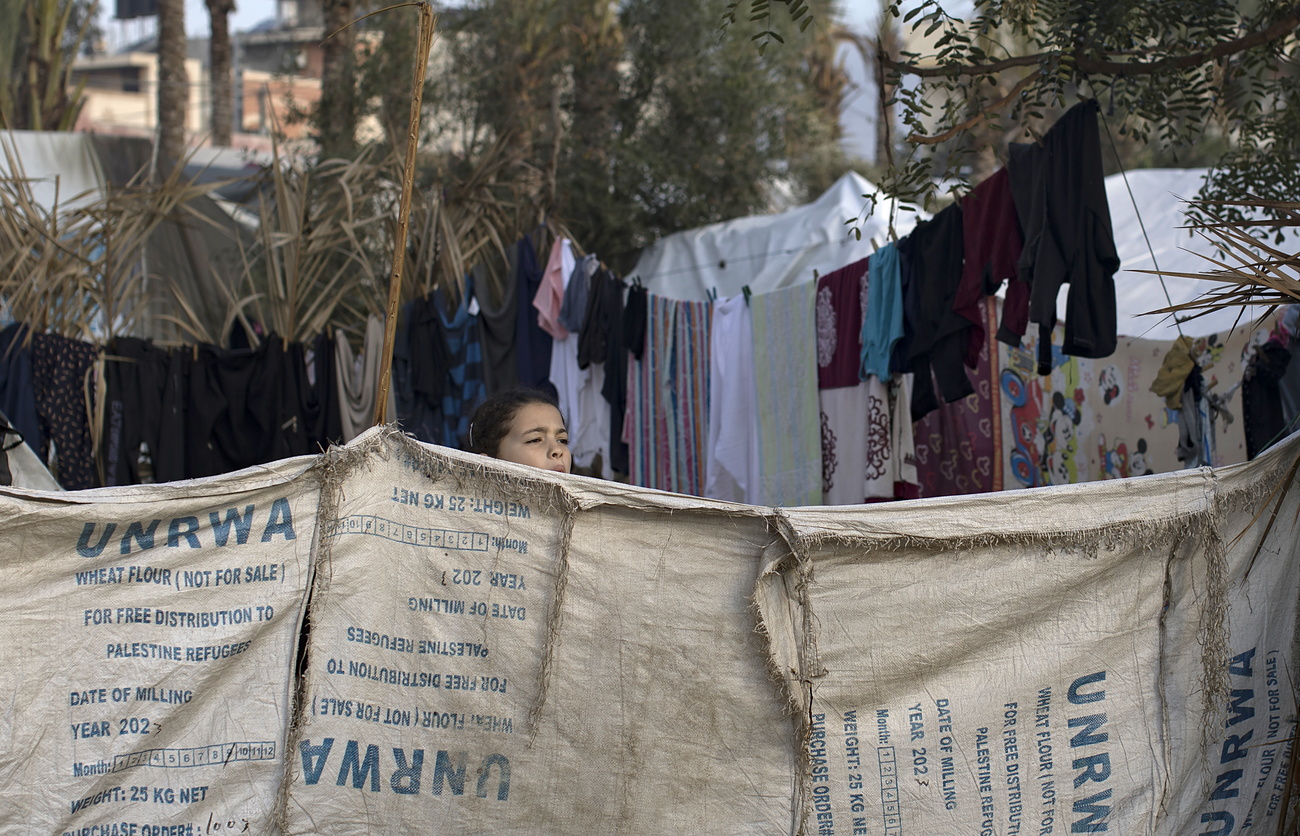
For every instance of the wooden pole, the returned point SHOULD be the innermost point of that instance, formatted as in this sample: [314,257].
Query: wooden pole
[404,213]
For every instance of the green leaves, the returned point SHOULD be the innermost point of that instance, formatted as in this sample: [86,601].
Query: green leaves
[760,13]
[1181,75]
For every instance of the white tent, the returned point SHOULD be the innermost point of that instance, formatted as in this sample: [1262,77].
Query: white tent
[59,167]
[1161,195]
[768,252]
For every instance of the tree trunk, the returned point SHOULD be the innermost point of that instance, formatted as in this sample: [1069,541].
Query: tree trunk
[222,71]
[336,115]
[888,47]
[173,85]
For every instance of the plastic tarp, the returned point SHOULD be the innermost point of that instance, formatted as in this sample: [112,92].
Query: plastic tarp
[1160,216]
[491,648]
[59,167]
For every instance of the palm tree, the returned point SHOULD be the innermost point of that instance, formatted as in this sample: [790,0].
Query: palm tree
[173,85]
[336,113]
[222,71]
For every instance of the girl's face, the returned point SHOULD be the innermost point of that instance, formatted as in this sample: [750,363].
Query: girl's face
[537,437]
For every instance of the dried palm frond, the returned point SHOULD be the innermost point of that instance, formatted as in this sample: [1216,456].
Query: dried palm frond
[316,258]
[462,223]
[75,268]
[1251,272]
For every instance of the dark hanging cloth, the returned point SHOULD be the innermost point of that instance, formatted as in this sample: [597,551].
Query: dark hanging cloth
[17,389]
[939,334]
[1261,398]
[615,388]
[634,320]
[310,417]
[1060,195]
[593,336]
[573,309]
[993,242]
[234,408]
[898,363]
[136,380]
[1191,434]
[841,297]
[532,343]
[419,412]
[323,397]
[430,358]
[497,324]
[169,464]
[59,367]
[464,389]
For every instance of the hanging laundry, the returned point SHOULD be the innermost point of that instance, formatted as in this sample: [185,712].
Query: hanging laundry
[667,400]
[993,244]
[464,389]
[785,359]
[857,461]
[573,311]
[588,423]
[1195,429]
[733,466]
[594,333]
[549,298]
[601,340]
[532,344]
[418,385]
[233,408]
[898,357]
[1060,196]
[1288,336]
[59,369]
[138,445]
[635,320]
[938,333]
[1266,423]
[497,327]
[565,374]
[357,380]
[17,388]
[690,395]
[882,324]
[1172,377]
[958,446]
[907,481]
[311,418]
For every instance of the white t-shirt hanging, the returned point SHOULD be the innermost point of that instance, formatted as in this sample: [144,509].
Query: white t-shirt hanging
[733,468]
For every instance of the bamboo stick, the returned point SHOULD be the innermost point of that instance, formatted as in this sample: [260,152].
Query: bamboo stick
[403,213]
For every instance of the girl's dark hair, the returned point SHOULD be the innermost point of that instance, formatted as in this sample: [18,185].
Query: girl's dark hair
[493,417]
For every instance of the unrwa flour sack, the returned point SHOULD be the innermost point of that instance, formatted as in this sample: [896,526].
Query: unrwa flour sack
[149,637]
[495,649]
[1109,657]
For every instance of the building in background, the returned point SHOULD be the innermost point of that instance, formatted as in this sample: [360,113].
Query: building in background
[277,80]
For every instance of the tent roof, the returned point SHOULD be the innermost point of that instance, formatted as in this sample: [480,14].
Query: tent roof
[768,252]
[1160,194]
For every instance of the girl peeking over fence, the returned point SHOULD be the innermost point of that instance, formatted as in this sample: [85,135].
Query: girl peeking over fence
[522,426]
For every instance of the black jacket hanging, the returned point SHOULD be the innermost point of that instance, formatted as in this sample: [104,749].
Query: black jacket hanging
[1060,193]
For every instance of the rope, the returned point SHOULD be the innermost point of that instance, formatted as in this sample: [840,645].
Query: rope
[743,259]
[1143,226]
